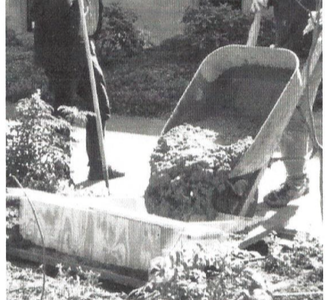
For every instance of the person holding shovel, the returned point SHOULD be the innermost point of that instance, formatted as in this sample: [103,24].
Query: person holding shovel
[291,17]
[60,51]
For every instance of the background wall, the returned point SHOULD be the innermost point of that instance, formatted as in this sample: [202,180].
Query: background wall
[159,18]
[16,15]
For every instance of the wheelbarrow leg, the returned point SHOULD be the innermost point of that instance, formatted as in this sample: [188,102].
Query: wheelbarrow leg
[249,206]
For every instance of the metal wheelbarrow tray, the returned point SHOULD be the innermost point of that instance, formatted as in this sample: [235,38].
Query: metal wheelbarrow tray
[257,83]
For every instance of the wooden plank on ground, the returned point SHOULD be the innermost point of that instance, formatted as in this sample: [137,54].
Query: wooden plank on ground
[36,255]
[277,222]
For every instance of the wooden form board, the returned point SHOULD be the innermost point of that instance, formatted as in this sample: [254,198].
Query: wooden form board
[99,231]
[35,255]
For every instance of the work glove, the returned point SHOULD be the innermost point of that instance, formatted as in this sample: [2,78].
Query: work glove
[258,5]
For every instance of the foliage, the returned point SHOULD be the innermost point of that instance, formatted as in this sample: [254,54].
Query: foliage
[198,272]
[305,254]
[22,76]
[118,36]
[211,26]
[149,84]
[11,38]
[37,146]
[235,4]
[214,26]
[73,115]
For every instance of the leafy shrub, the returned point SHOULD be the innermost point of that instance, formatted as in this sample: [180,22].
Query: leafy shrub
[118,34]
[235,4]
[211,26]
[306,254]
[196,272]
[149,84]
[37,146]
[11,38]
[22,76]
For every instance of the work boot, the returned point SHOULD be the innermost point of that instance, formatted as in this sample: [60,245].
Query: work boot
[96,173]
[290,190]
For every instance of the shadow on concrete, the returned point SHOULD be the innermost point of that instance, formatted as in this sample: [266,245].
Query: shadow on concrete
[277,220]
[280,218]
[85,184]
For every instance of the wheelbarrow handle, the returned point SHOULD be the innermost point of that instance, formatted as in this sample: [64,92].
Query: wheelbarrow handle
[254,30]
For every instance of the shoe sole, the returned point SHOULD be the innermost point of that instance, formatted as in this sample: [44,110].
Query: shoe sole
[273,205]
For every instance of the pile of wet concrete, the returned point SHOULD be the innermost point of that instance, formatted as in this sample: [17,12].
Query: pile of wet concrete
[189,173]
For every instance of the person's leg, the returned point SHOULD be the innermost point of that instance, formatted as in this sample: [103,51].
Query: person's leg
[92,142]
[295,145]
[63,89]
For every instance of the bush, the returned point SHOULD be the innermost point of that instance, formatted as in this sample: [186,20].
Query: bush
[235,4]
[11,38]
[149,84]
[211,26]
[22,76]
[118,36]
[195,272]
[37,146]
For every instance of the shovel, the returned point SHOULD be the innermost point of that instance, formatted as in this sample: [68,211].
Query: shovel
[94,93]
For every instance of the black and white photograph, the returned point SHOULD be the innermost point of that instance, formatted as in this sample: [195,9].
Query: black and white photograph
[165,150]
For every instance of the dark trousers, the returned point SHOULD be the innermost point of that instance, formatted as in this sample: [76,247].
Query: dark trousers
[66,84]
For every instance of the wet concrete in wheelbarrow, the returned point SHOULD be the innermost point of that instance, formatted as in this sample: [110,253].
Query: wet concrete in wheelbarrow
[128,150]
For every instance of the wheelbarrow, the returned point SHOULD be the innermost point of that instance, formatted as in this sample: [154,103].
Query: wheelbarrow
[260,83]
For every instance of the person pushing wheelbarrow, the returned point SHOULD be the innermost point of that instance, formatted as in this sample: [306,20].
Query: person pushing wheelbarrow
[291,18]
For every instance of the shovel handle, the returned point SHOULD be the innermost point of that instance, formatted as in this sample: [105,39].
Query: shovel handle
[254,30]
[94,92]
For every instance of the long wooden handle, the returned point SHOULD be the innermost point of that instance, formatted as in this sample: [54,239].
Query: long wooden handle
[254,30]
[94,93]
